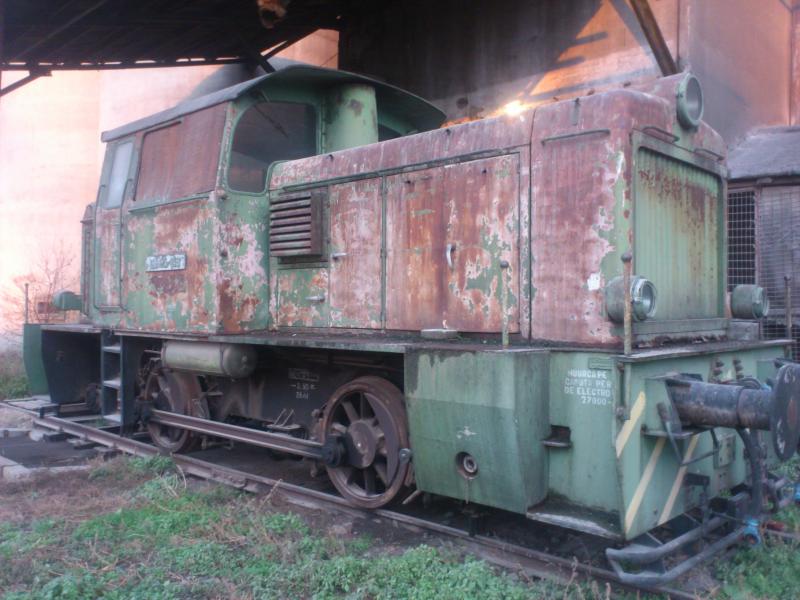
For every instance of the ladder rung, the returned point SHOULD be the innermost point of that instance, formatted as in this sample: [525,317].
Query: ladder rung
[113,383]
[114,349]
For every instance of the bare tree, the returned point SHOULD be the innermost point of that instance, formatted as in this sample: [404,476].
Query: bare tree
[53,270]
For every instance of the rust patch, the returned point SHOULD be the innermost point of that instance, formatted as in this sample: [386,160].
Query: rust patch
[355,106]
[167,283]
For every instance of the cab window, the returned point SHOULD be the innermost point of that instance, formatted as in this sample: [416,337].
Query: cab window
[117,180]
[265,133]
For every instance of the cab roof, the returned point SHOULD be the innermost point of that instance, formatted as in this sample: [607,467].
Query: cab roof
[420,113]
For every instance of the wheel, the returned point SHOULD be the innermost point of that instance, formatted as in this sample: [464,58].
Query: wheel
[171,391]
[368,416]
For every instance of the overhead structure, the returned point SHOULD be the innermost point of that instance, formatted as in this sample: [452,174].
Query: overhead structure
[40,36]
[652,31]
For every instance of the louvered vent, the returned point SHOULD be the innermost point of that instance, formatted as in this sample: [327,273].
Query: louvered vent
[295,224]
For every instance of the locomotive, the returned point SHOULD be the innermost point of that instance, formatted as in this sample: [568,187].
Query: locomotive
[527,312]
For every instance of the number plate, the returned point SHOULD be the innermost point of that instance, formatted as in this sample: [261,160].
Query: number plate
[166,262]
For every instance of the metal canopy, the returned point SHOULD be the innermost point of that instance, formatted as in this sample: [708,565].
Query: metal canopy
[43,35]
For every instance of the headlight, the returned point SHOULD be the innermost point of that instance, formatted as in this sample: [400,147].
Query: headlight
[690,102]
[749,302]
[643,299]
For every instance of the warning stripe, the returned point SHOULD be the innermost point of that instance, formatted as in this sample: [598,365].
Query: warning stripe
[627,429]
[644,482]
[676,486]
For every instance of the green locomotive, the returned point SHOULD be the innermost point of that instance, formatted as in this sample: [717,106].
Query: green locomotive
[527,312]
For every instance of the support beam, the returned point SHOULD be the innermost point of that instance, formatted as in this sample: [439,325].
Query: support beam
[647,20]
[60,29]
[32,76]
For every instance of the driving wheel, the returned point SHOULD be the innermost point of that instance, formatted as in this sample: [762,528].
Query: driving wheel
[368,418]
[171,391]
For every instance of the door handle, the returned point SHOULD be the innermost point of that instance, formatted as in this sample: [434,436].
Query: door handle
[320,298]
[448,254]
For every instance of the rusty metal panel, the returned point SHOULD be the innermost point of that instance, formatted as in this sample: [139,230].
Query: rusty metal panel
[678,235]
[491,135]
[181,159]
[107,235]
[482,200]
[415,245]
[448,229]
[355,254]
[578,183]
[302,297]
[170,282]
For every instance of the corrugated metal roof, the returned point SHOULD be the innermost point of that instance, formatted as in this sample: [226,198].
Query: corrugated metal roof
[771,152]
[419,112]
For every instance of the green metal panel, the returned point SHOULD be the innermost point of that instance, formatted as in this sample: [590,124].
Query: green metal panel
[32,357]
[491,405]
[678,235]
[652,484]
[583,392]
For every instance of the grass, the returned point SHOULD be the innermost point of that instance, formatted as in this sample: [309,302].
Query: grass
[13,382]
[136,528]
[159,538]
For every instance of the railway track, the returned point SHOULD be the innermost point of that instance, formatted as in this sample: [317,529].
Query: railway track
[496,551]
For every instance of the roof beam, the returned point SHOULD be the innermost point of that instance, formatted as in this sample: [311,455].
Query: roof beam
[61,29]
[33,75]
[649,25]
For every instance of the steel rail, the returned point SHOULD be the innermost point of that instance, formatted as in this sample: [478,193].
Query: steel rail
[505,554]
[264,439]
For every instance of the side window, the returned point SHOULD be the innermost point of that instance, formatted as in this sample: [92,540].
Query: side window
[180,159]
[265,133]
[120,167]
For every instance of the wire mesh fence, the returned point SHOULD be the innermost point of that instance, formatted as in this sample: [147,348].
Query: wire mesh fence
[764,248]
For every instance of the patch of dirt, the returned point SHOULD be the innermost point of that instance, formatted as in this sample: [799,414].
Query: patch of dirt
[72,496]
[14,419]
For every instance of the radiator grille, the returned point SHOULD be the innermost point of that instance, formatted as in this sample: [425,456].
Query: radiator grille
[741,238]
[295,225]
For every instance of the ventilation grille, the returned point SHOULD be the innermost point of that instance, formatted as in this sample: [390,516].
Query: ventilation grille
[295,224]
[741,238]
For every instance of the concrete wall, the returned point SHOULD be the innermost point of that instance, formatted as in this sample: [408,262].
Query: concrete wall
[50,150]
[742,52]
[473,61]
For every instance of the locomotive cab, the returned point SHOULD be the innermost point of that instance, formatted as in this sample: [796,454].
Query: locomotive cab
[188,188]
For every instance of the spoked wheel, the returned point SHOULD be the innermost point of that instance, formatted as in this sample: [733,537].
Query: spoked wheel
[369,418]
[171,391]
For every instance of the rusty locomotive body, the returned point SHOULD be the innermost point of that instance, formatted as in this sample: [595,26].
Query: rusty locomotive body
[527,312]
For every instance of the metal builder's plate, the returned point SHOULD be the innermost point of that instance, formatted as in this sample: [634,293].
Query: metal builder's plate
[165,262]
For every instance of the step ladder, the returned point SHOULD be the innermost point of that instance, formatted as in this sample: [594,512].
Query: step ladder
[111,375]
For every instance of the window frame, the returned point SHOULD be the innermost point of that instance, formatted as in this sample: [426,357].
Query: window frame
[238,109]
[108,168]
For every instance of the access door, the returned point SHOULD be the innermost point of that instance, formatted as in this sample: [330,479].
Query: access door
[452,247]
[114,183]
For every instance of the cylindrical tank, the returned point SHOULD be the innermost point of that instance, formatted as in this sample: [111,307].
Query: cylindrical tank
[228,360]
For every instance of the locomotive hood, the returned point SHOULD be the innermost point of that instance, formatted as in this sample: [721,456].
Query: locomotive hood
[422,114]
